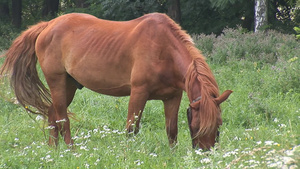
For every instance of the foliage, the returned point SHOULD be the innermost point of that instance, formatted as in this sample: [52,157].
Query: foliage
[283,15]
[238,44]
[32,12]
[120,9]
[271,50]
[7,34]
[94,7]
[260,120]
[297,30]
[130,9]
[207,18]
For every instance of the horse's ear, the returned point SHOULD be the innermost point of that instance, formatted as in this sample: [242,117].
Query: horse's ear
[223,97]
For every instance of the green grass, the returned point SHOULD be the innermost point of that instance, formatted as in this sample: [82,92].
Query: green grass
[261,125]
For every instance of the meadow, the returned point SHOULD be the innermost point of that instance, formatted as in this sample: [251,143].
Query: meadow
[261,119]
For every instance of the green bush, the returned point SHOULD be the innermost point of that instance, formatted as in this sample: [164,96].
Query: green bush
[7,34]
[261,47]
[297,30]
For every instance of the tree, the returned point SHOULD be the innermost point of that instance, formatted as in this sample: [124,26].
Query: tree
[260,14]
[129,9]
[4,10]
[81,3]
[174,10]
[16,13]
[50,7]
[232,13]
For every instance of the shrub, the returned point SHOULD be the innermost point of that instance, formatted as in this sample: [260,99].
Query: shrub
[264,47]
[7,35]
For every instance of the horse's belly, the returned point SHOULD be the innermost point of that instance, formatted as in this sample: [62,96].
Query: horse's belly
[117,91]
[104,83]
[100,75]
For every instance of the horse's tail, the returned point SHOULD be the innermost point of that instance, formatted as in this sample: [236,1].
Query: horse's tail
[20,63]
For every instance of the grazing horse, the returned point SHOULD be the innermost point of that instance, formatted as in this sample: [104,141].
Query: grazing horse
[147,58]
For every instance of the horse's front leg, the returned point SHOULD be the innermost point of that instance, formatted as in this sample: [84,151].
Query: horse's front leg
[138,99]
[171,106]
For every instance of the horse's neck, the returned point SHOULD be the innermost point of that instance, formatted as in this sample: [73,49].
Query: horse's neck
[182,62]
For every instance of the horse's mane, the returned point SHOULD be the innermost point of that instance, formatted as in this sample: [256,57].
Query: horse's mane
[199,72]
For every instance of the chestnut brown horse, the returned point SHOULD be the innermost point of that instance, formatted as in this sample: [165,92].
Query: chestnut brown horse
[147,58]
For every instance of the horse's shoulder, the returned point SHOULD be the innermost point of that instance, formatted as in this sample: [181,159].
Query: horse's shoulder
[156,17]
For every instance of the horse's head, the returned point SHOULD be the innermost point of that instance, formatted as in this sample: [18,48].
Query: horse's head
[204,118]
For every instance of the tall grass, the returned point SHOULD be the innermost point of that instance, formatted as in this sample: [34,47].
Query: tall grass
[260,128]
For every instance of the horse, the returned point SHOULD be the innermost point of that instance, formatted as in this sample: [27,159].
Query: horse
[148,58]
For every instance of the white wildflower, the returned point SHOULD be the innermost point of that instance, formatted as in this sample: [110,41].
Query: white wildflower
[153,154]
[87,136]
[60,121]
[48,158]
[39,118]
[199,152]
[258,143]
[84,148]
[115,131]
[288,160]
[138,162]
[97,161]
[27,147]
[275,165]
[78,144]
[75,137]
[95,130]
[269,143]
[77,154]
[282,125]
[236,138]
[106,128]
[49,127]
[230,153]
[205,160]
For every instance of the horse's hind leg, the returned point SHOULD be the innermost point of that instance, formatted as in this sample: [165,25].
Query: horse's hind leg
[53,129]
[62,91]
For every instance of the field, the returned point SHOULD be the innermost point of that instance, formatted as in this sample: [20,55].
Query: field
[261,119]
